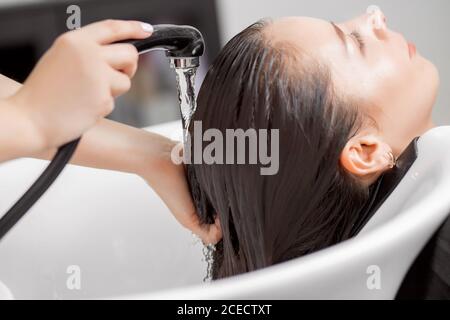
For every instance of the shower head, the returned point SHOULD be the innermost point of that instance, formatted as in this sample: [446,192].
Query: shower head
[183,44]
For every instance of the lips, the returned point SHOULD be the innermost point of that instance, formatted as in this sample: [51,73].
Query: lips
[412,49]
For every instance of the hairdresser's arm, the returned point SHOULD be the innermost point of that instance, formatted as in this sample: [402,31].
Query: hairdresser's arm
[8,87]
[108,145]
[114,146]
[72,86]
[16,133]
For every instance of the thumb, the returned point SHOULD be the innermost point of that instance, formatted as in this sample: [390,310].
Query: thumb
[209,233]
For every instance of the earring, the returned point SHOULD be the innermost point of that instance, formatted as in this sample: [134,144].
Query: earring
[392,160]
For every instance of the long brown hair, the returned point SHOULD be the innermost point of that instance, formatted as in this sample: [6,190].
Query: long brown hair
[311,203]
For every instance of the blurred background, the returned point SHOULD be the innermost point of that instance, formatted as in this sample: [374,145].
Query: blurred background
[28,27]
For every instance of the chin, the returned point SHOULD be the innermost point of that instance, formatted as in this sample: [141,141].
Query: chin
[431,79]
[432,73]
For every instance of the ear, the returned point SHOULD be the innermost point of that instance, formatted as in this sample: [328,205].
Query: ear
[366,156]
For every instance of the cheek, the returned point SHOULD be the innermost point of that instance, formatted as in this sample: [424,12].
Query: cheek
[405,88]
[393,92]
[389,82]
[387,72]
[375,77]
[402,96]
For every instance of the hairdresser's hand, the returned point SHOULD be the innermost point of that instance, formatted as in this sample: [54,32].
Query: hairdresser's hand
[169,181]
[75,82]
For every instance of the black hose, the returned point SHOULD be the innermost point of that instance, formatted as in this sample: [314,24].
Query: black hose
[38,188]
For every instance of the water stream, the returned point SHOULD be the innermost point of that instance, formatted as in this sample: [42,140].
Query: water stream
[188,105]
[186,94]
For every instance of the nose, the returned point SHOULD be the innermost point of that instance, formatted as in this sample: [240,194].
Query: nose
[377,20]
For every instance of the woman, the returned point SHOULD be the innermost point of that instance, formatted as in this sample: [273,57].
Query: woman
[347,98]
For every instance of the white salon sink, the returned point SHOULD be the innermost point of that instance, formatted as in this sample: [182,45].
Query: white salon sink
[110,226]
[113,230]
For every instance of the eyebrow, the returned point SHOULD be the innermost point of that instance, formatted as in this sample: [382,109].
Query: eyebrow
[341,35]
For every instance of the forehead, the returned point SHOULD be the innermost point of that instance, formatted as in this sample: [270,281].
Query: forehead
[307,33]
[311,35]
[317,39]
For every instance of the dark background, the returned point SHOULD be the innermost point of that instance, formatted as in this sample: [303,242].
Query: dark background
[27,30]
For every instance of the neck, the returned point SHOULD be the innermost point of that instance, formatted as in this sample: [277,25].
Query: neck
[430,126]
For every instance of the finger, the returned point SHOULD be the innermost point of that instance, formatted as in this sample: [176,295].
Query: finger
[210,233]
[119,82]
[216,232]
[109,31]
[122,57]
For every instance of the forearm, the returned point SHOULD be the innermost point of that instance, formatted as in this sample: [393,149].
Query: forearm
[14,130]
[108,145]
[115,146]
[18,137]
[8,87]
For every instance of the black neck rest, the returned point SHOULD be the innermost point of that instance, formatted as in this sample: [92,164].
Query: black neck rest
[383,187]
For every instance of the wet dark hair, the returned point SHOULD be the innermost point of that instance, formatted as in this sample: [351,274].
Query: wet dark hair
[312,202]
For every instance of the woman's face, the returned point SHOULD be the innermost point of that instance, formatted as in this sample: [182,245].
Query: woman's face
[376,66]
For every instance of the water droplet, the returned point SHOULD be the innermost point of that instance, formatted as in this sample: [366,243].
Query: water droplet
[208,252]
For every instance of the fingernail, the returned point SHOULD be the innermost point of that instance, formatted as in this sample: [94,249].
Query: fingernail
[147,27]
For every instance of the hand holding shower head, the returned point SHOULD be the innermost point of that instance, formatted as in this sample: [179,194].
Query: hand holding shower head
[183,45]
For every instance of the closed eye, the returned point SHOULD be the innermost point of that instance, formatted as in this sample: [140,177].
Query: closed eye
[356,36]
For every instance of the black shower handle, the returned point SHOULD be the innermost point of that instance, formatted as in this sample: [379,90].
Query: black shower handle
[177,41]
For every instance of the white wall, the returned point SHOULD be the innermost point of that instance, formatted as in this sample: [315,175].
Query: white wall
[424,22]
